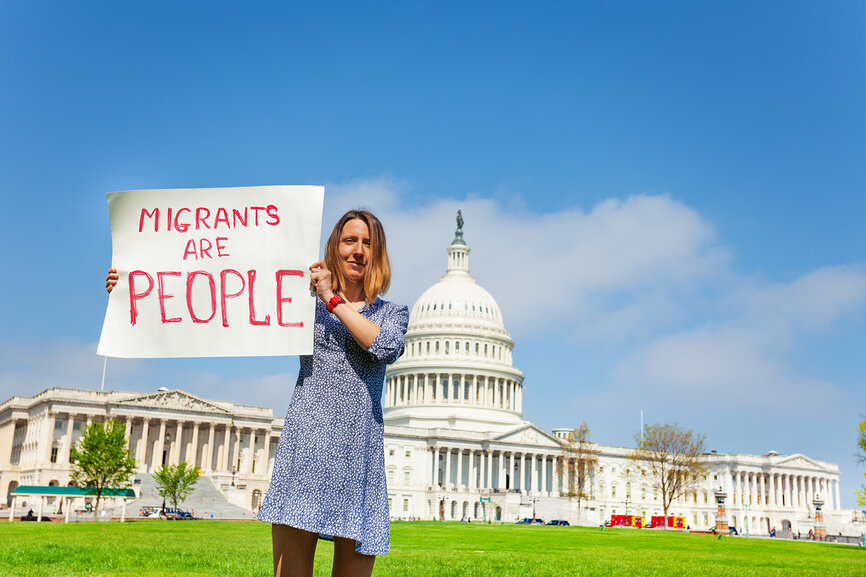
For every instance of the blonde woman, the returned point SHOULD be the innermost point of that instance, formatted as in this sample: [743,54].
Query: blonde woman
[329,470]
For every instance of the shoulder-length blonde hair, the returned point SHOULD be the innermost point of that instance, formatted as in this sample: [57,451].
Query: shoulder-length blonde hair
[377,277]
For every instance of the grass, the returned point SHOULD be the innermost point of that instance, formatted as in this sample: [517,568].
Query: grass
[206,548]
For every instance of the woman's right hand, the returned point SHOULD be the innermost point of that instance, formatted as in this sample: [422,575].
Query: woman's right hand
[111,279]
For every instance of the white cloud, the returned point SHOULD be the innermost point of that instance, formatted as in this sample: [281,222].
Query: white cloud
[595,266]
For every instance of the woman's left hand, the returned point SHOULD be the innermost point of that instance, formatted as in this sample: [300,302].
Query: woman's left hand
[320,281]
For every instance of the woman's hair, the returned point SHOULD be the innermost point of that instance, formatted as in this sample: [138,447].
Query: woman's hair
[377,277]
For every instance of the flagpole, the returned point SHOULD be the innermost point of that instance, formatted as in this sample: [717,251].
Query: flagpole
[104,365]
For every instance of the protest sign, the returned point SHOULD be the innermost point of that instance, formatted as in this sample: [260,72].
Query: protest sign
[212,272]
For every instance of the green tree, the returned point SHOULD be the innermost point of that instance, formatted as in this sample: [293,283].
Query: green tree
[861,443]
[674,458]
[580,457]
[101,459]
[176,482]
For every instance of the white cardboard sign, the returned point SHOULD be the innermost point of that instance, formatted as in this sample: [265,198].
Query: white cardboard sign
[212,272]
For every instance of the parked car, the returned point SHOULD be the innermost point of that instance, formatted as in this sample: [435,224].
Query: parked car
[529,521]
[560,522]
[149,512]
[177,514]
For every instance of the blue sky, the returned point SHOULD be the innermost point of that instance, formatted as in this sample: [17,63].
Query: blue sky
[666,198]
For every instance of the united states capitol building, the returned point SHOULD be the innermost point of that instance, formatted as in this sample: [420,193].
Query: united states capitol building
[457,445]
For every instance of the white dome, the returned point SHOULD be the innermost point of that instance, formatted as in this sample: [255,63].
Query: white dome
[457,369]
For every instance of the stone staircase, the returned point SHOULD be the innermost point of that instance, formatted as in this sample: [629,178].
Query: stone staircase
[206,500]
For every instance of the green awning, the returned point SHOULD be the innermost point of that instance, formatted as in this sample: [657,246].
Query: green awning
[57,491]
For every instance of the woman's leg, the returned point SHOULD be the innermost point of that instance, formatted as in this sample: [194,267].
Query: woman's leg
[294,551]
[348,562]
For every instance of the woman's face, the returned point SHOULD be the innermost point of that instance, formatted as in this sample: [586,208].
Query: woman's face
[354,249]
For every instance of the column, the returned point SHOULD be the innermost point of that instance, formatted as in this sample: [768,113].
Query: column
[48,437]
[236,450]
[157,447]
[522,472]
[496,392]
[771,495]
[511,474]
[141,448]
[459,483]
[267,452]
[447,468]
[488,476]
[248,468]
[177,443]
[544,475]
[128,433]
[436,457]
[67,442]
[227,450]
[207,464]
[837,504]
[191,459]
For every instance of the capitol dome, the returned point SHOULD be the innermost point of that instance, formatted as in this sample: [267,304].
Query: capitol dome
[456,371]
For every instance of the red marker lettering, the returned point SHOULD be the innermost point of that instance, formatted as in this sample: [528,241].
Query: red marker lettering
[251,278]
[180,226]
[190,277]
[221,216]
[190,249]
[224,295]
[154,215]
[256,210]
[163,296]
[236,216]
[205,251]
[272,212]
[281,299]
[221,246]
[134,296]
[201,220]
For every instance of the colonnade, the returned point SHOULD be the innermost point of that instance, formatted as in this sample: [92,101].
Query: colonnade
[793,491]
[454,388]
[499,470]
[154,441]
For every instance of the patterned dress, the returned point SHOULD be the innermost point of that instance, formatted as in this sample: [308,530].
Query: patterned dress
[329,469]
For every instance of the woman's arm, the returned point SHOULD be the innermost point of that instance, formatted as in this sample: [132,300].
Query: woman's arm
[363,330]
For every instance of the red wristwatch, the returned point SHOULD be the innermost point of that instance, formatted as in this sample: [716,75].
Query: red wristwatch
[335,300]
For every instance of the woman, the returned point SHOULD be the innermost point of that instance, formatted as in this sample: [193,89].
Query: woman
[329,470]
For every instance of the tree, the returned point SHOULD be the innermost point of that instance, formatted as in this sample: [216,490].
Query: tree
[579,460]
[176,482]
[674,458]
[102,458]
[861,443]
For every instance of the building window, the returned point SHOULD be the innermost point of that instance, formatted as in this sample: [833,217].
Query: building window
[643,493]
[406,477]
[390,452]
[447,347]
[53,454]
[390,477]
[628,490]
[405,505]
[58,425]
[408,454]
[613,491]
[390,503]
[76,426]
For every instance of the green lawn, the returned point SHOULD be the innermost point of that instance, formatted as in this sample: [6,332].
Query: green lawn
[417,549]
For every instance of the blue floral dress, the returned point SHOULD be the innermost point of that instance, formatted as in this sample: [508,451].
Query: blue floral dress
[329,469]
